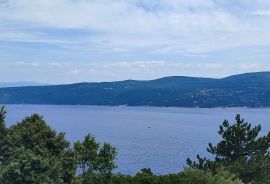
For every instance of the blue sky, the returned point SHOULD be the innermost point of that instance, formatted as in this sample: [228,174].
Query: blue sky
[66,41]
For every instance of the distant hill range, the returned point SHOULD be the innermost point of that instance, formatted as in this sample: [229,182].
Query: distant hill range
[245,90]
[20,84]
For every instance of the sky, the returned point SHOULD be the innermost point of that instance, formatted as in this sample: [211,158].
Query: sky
[67,41]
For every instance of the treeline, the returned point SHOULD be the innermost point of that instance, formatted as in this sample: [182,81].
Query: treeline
[31,152]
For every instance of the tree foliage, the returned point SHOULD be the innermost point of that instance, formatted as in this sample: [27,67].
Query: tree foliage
[240,151]
[2,130]
[35,153]
[94,161]
[240,141]
[32,152]
[189,176]
[2,122]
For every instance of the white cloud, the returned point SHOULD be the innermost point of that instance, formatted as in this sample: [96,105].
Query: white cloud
[23,63]
[75,72]
[101,40]
[55,72]
[58,64]
[178,26]
[252,67]
[261,12]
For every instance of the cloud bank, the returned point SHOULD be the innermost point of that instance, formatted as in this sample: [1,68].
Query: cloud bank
[173,37]
[193,26]
[121,70]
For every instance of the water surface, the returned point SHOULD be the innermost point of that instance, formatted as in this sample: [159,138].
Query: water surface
[157,137]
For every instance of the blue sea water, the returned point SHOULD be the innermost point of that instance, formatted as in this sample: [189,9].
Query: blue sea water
[160,138]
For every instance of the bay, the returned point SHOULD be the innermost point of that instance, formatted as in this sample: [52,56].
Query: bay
[160,138]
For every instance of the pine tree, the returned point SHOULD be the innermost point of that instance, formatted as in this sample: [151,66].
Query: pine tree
[240,151]
[239,141]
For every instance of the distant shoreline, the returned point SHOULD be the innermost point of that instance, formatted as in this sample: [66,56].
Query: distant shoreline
[250,90]
[127,106]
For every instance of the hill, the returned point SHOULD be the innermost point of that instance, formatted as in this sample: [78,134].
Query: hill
[244,90]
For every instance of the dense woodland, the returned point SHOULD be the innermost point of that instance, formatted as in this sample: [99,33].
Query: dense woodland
[245,90]
[31,152]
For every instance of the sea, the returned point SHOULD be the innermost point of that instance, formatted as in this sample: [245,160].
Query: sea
[160,138]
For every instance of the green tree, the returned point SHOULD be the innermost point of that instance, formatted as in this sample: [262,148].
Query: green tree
[27,167]
[240,141]
[192,176]
[3,130]
[189,176]
[94,161]
[32,152]
[240,147]
[2,122]
[35,153]
[146,177]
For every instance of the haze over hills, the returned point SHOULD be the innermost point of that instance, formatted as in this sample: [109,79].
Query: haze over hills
[244,90]
[20,84]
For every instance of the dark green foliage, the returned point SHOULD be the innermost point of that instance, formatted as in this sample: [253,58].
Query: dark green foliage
[246,90]
[2,122]
[2,129]
[189,176]
[241,151]
[32,153]
[203,177]
[95,162]
[240,141]
[146,177]
[28,167]
[122,179]
[34,134]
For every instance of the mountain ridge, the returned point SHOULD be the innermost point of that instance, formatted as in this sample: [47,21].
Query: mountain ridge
[243,90]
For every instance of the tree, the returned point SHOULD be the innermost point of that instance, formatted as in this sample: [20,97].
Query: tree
[240,147]
[35,153]
[240,141]
[3,129]
[146,177]
[32,152]
[192,176]
[189,176]
[2,122]
[27,167]
[95,162]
